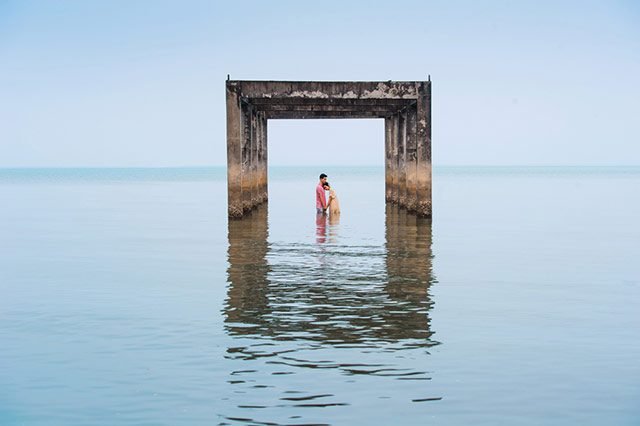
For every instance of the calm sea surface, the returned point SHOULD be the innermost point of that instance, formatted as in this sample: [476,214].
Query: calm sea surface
[128,298]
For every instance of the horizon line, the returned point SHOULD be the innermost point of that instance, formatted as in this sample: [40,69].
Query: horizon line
[310,165]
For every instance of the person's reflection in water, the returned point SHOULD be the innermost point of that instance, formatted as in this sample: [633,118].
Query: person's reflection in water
[362,312]
[321,227]
[333,228]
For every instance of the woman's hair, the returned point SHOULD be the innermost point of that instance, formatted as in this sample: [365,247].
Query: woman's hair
[326,184]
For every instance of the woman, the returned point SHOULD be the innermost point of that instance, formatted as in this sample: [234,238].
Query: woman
[333,205]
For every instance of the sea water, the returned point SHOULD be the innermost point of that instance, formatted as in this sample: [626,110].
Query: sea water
[127,297]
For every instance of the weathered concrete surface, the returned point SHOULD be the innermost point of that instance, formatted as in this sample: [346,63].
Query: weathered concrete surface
[247,176]
[234,153]
[394,161]
[405,107]
[388,159]
[329,89]
[261,159]
[411,163]
[265,165]
[255,177]
[424,151]
[401,157]
[313,99]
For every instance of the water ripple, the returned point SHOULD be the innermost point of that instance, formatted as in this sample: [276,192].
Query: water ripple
[320,316]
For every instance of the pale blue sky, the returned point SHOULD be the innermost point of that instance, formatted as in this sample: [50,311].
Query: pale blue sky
[141,83]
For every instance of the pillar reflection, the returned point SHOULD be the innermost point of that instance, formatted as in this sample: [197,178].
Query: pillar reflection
[305,317]
[247,298]
[355,294]
[409,271]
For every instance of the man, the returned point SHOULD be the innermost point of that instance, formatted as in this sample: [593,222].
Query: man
[321,200]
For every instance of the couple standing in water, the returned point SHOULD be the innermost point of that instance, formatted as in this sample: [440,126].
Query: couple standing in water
[322,206]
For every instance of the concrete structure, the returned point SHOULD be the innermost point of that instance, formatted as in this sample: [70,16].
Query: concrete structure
[404,106]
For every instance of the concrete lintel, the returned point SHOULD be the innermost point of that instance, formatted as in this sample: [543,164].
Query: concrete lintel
[346,102]
[356,109]
[289,115]
[327,89]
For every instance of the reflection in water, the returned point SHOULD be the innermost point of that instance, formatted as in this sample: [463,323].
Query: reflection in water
[248,267]
[327,227]
[408,261]
[328,313]
[321,227]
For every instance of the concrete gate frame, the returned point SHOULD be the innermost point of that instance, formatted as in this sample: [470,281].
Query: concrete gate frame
[405,107]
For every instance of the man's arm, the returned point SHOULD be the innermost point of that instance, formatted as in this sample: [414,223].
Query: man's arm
[320,195]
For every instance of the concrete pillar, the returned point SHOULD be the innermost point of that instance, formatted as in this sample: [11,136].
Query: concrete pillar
[394,158]
[411,161]
[255,190]
[259,158]
[388,159]
[402,172]
[246,158]
[234,152]
[424,149]
[265,157]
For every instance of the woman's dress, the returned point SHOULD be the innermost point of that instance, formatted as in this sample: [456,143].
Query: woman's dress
[334,207]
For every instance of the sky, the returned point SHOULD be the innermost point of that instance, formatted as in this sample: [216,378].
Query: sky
[141,83]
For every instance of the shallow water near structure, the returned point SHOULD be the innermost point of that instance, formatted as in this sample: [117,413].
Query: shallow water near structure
[129,298]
